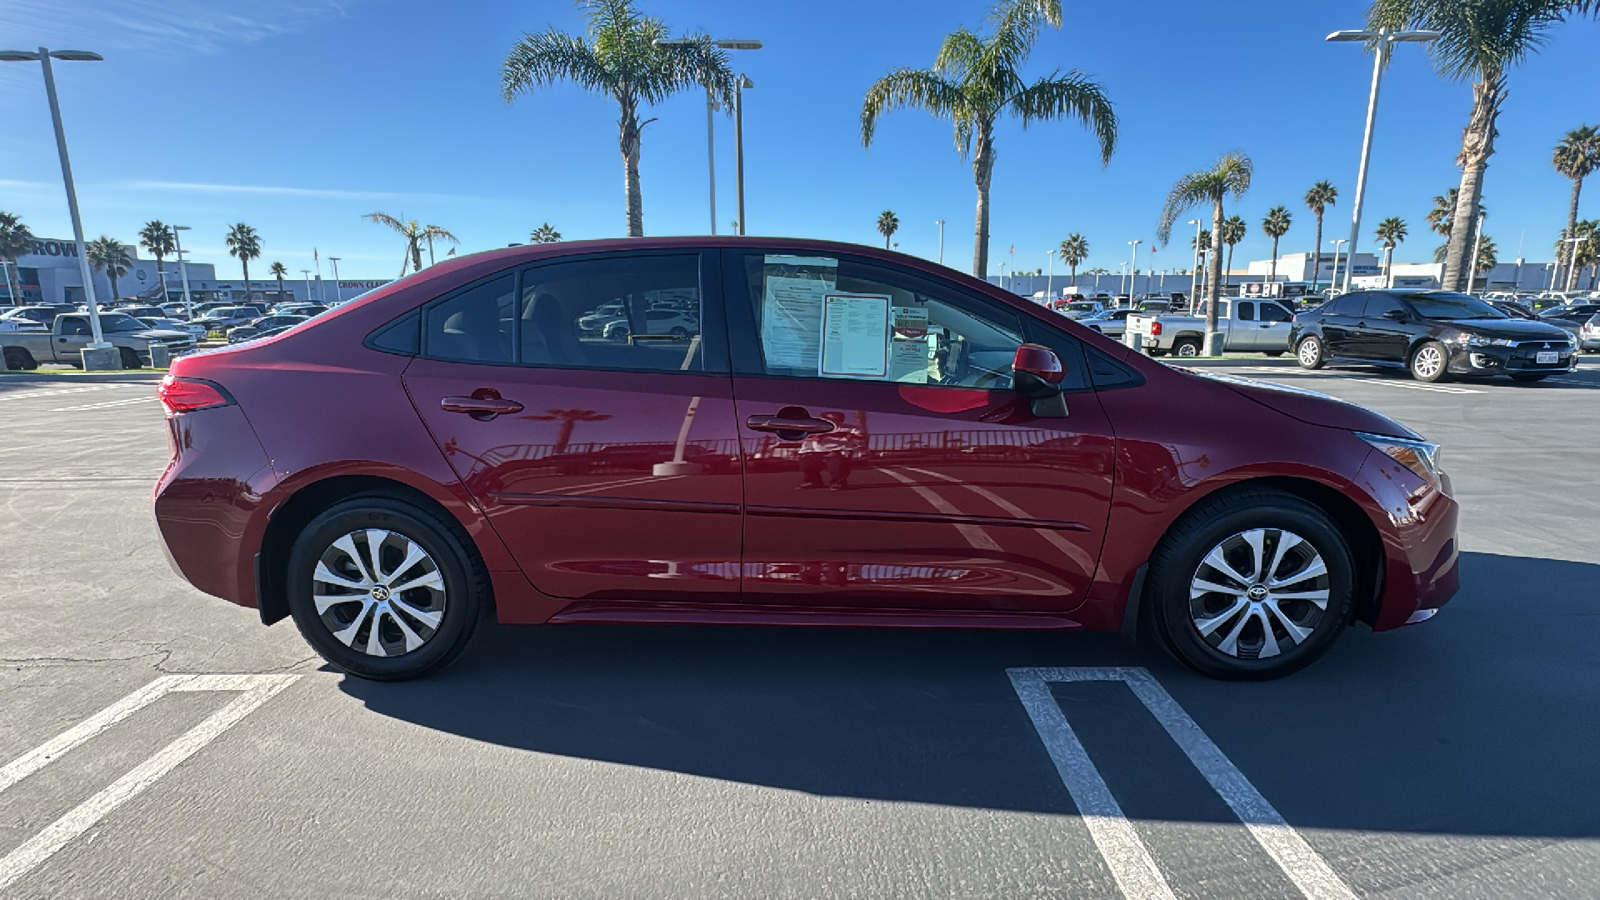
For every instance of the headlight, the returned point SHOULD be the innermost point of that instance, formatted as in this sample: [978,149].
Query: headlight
[1477,340]
[1420,457]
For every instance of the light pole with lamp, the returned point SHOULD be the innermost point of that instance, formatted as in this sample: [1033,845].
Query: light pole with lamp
[711,108]
[183,268]
[1338,244]
[1385,39]
[307,274]
[43,57]
[1133,271]
[338,297]
[744,83]
[940,223]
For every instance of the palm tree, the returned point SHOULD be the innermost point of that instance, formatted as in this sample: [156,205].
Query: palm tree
[627,56]
[158,237]
[1228,176]
[110,257]
[416,235]
[545,234]
[1233,231]
[1098,270]
[1444,208]
[1479,41]
[569,419]
[277,270]
[16,241]
[974,80]
[1391,232]
[1321,196]
[1587,252]
[1275,226]
[244,243]
[888,224]
[1576,157]
[1074,250]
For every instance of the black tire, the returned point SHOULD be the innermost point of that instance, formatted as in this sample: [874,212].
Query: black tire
[1186,348]
[1310,352]
[130,358]
[1529,377]
[1274,353]
[1429,362]
[20,359]
[1223,521]
[466,591]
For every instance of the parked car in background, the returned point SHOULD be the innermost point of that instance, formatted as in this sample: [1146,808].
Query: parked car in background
[298,309]
[1432,334]
[1109,322]
[1570,316]
[1513,309]
[1260,326]
[70,333]
[33,316]
[140,312]
[1079,309]
[266,326]
[1246,524]
[222,318]
[1589,335]
[197,332]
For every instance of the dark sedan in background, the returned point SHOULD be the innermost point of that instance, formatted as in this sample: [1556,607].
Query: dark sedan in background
[1431,334]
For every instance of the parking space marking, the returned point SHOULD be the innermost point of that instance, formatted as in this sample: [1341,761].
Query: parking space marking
[1342,376]
[57,392]
[108,404]
[1135,872]
[254,690]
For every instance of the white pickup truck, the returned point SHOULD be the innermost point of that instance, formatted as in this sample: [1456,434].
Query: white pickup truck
[1249,325]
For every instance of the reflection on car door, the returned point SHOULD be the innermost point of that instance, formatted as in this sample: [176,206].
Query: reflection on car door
[608,465]
[888,463]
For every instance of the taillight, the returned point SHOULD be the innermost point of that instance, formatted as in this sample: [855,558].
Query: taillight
[189,394]
[1155,329]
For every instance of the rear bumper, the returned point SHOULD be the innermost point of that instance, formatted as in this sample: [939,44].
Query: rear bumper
[1421,554]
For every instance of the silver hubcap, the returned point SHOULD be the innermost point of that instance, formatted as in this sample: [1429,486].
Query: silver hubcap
[1308,352]
[1187,350]
[378,592]
[1428,361]
[1259,593]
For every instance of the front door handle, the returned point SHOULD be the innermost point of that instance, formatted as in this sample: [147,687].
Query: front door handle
[484,404]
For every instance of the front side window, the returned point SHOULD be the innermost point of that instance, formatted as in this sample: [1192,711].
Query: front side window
[827,317]
[75,327]
[1272,312]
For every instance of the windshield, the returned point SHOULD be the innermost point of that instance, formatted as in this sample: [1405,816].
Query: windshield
[1450,307]
[121,323]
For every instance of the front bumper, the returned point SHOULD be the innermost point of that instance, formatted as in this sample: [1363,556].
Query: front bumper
[1421,569]
[1509,360]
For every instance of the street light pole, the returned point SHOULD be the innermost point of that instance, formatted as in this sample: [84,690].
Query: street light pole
[1133,271]
[1477,241]
[738,141]
[307,274]
[940,223]
[183,268]
[711,108]
[1194,274]
[43,57]
[1572,260]
[1338,244]
[1384,39]
[1050,279]
[337,296]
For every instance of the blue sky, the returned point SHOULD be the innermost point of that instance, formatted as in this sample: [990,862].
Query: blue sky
[298,116]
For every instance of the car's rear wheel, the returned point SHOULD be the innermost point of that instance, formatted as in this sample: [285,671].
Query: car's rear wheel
[383,589]
[19,358]
[1186,347]
[1429,362]
[1528,377]
[1254,585]
[130,358]
[1274,353]
[1309,352]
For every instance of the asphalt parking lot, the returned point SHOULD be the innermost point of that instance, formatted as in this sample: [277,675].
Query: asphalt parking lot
[1455,759]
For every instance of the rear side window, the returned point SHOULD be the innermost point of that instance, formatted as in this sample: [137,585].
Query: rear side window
[1378,304]
[475,325]
[639,314]
[1247,311]
[1348,305]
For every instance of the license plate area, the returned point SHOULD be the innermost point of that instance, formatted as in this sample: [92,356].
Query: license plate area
[1546,358]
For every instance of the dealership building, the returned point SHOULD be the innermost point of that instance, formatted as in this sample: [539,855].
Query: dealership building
[51,274]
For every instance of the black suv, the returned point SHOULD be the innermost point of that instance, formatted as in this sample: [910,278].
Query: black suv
[1432,334]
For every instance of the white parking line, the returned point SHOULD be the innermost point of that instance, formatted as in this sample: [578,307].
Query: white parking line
[256,690]
[57,392]
[109,404]
[1135,872]
[1436,388]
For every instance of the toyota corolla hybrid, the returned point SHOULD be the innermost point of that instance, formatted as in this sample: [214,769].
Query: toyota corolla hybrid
[833,435]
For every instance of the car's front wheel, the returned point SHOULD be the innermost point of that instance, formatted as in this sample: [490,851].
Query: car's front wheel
[383,589]
[1429,362]
[1309,352]
[1253,585]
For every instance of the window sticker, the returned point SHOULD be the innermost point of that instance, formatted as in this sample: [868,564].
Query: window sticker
[855,335]
[908,345]
[791,308]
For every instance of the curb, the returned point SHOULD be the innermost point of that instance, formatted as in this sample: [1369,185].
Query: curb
[135,376]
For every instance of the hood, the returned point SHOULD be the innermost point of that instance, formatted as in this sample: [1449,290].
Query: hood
[1513,329]
[1311,407]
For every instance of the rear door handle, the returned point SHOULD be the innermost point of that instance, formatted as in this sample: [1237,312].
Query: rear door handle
[783,425]
[483,405]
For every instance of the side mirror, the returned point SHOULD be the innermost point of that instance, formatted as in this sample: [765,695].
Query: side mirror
[1399,315]
[1036,370]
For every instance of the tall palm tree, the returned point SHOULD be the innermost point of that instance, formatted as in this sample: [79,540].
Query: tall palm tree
[244,243]
[1074,250]
[1275,226]
[974,80]
[1321,196]
[624,55]
[159,238]
[1233,231]
[1391,232]
[1228,176]
[1576,157]
[416,235]
[569,419]
[545,234]
[16,241]
[1444,209]
[888,224]
[277,270]
[1584,254]
[1479,41]
[110,257]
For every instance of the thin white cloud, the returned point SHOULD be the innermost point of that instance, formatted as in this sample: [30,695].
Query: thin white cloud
[281,191]
[162,27]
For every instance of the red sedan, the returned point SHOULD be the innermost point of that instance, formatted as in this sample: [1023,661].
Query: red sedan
[763,431]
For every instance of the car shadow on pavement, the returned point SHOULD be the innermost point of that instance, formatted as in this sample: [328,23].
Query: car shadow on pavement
[1480,722]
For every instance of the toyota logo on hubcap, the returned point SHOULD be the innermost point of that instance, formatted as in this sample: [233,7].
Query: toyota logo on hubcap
[1257,593]
[380,593]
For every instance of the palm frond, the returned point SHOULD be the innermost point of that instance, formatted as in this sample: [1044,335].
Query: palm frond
[1016,26]
[916,89]
[1190,190]
[674,67]
[960,54]
[1071,95]
[545,58]
[439,234]
[388,221]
